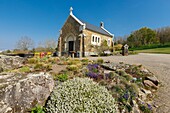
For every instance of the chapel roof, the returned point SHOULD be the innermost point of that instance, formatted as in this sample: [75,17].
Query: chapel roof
[91,27]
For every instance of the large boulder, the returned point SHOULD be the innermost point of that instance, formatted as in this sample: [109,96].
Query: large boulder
[11,62]
[20,93]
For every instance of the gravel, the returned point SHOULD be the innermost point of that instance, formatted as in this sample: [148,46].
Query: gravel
[159,64]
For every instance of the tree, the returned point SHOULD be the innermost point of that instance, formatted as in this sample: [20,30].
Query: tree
[102,48]
[163,34]
[121,40]
[25,43]
[143,36]
[50,44]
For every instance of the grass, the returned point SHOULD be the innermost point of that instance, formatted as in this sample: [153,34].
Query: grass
[165,50]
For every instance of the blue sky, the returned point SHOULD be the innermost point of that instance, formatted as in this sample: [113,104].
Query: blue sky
[42,19]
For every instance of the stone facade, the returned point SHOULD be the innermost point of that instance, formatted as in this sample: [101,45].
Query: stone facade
[76,39]
[70,30]
[89,50]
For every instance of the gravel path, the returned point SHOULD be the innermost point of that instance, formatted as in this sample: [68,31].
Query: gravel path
[159,64]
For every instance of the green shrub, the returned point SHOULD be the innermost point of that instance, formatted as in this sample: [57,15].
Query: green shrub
[38,66]
[47,67]
[32,60]
[100,60]
[80,95]
[73,61]
[62,77]
[38,109]
[52,60]
[85,61]
[72,67]
[24,69]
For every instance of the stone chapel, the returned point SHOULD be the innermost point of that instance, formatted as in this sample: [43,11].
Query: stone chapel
[78,37]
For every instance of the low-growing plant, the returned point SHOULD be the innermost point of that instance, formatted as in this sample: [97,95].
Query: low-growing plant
[32,60]
[47,67]
[52,60]
[72,67]
[38,66]
[24,69]
[100,60]
[80,95]
[145,108]
[62,77]
[85,61]
[38,109]
[73,61]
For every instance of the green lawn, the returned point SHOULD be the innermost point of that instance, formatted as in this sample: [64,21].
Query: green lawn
[165,50]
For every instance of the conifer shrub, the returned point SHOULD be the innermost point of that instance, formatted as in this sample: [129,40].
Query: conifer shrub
[81,95]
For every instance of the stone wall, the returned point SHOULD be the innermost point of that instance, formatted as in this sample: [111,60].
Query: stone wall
[87,40]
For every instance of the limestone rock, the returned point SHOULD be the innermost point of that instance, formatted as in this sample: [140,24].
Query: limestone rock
[11,62]
[143,94]
[1,69]
[19,94]
[135,108]
[153,79]
[149,83]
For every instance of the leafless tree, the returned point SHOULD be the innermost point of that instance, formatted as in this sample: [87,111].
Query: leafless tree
[25,43]
[50,44]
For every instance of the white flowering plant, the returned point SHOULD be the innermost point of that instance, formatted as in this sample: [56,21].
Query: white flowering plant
[81,95]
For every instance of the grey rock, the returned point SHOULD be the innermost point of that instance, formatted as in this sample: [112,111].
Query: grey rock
[20,93]
[11,62]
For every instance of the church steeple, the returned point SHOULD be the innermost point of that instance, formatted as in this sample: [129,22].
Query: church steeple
[71,10]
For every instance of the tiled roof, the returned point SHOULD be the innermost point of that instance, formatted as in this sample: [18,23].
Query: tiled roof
[96,28]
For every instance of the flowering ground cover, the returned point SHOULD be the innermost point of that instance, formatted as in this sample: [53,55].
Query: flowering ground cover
[125,83]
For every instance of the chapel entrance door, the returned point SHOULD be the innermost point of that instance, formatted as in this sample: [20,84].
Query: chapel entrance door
[71,45]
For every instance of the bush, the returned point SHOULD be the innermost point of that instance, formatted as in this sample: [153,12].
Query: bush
[32,60]
[71,61]
[100,60]
[85,61]
[38,66]
[118,47]
[72,67]
[47,67]
[80,95]
[62,77]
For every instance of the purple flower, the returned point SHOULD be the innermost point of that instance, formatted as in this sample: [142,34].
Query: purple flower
[126,96]
[149,106]
[92,75]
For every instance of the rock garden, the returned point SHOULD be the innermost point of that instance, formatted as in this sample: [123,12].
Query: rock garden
[66,85]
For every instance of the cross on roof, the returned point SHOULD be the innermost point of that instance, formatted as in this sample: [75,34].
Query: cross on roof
[71,9]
